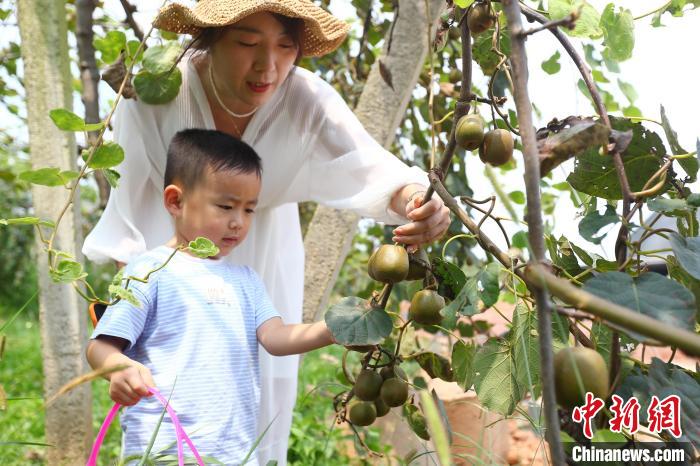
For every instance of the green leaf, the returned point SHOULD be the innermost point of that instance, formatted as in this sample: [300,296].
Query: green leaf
[551,65]
[450,277]
[672,207]
[69,121]
[524,340]
[517,196]
[496,384]
[107,155]
[110,46]
[591,224]
[161,58]
[125,294]
[353,321]
[587,25]
[562,254]
[487,284]
[662,380]
[463,363]
[67,271]
[618,31]
[50,176]
[416,421]
[689,165]
[676,272]
[687,252]
[156,89]
[465,303]
[435,365]
[601,335]
[595,174]
[628,90]
[482,53]
[203,247]
[650,293]
[112,177]
[520,240]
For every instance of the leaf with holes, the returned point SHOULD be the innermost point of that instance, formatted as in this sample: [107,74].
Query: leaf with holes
[67,271]
[416,421]
[353,321]
[125,294]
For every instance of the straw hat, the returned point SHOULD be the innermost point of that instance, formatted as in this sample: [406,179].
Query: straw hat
[323,32]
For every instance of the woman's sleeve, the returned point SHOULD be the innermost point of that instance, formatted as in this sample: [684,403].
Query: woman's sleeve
[117,235]
[348,169]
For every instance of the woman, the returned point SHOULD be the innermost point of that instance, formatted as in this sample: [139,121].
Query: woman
[242,80]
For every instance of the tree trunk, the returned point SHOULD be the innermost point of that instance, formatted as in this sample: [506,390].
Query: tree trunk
[47,82]
[90,78]
[380,110]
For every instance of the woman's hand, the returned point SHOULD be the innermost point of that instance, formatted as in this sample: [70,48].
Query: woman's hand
[428,222]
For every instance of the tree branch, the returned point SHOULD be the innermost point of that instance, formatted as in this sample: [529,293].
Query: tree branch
[518,59]
[130,9]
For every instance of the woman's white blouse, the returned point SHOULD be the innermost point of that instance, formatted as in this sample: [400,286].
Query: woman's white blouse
[312,147]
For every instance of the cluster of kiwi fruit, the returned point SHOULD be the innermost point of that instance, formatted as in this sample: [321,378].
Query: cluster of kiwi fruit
[376,392]
[495,146]
[391,264]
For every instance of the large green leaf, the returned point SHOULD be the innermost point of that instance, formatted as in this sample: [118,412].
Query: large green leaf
[156,89]
[463,363]
[595,174]
[687,252]
[435,365]
[49,176]
[353,321]
[690,165]
[591,224]
[662,380]
[676,272]
[526,348]
[618,30]
[651,294]
[69,121]
[107,155]
[587,25]
[450,277]
[160,59]
[495,382]
[671,207]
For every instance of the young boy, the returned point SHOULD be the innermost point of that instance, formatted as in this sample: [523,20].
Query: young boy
[197,331]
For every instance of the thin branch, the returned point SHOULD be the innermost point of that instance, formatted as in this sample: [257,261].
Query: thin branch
[568,22]
[130,9]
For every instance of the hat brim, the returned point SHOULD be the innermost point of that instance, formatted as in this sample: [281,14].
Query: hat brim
[322,34]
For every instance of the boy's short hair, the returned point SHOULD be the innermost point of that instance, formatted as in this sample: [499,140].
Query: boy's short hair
[191,151]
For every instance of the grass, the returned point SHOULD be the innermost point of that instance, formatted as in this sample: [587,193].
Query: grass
[313,439]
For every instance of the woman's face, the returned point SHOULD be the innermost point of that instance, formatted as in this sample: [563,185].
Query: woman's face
[252,59]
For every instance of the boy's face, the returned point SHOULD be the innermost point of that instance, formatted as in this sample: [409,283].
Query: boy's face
[219,208]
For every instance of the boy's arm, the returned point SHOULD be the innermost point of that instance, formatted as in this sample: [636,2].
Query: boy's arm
[126,386]
[280,339]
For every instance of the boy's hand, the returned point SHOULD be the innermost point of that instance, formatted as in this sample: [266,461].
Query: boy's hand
[129,385]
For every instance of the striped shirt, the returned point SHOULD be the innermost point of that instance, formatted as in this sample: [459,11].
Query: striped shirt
[196,332]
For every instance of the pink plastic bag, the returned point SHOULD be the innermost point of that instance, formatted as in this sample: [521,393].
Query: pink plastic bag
[179,433]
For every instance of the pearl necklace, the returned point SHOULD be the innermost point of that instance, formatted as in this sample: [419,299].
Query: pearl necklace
[218,99]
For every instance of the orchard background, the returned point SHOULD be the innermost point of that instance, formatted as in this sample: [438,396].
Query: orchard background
[587,232]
